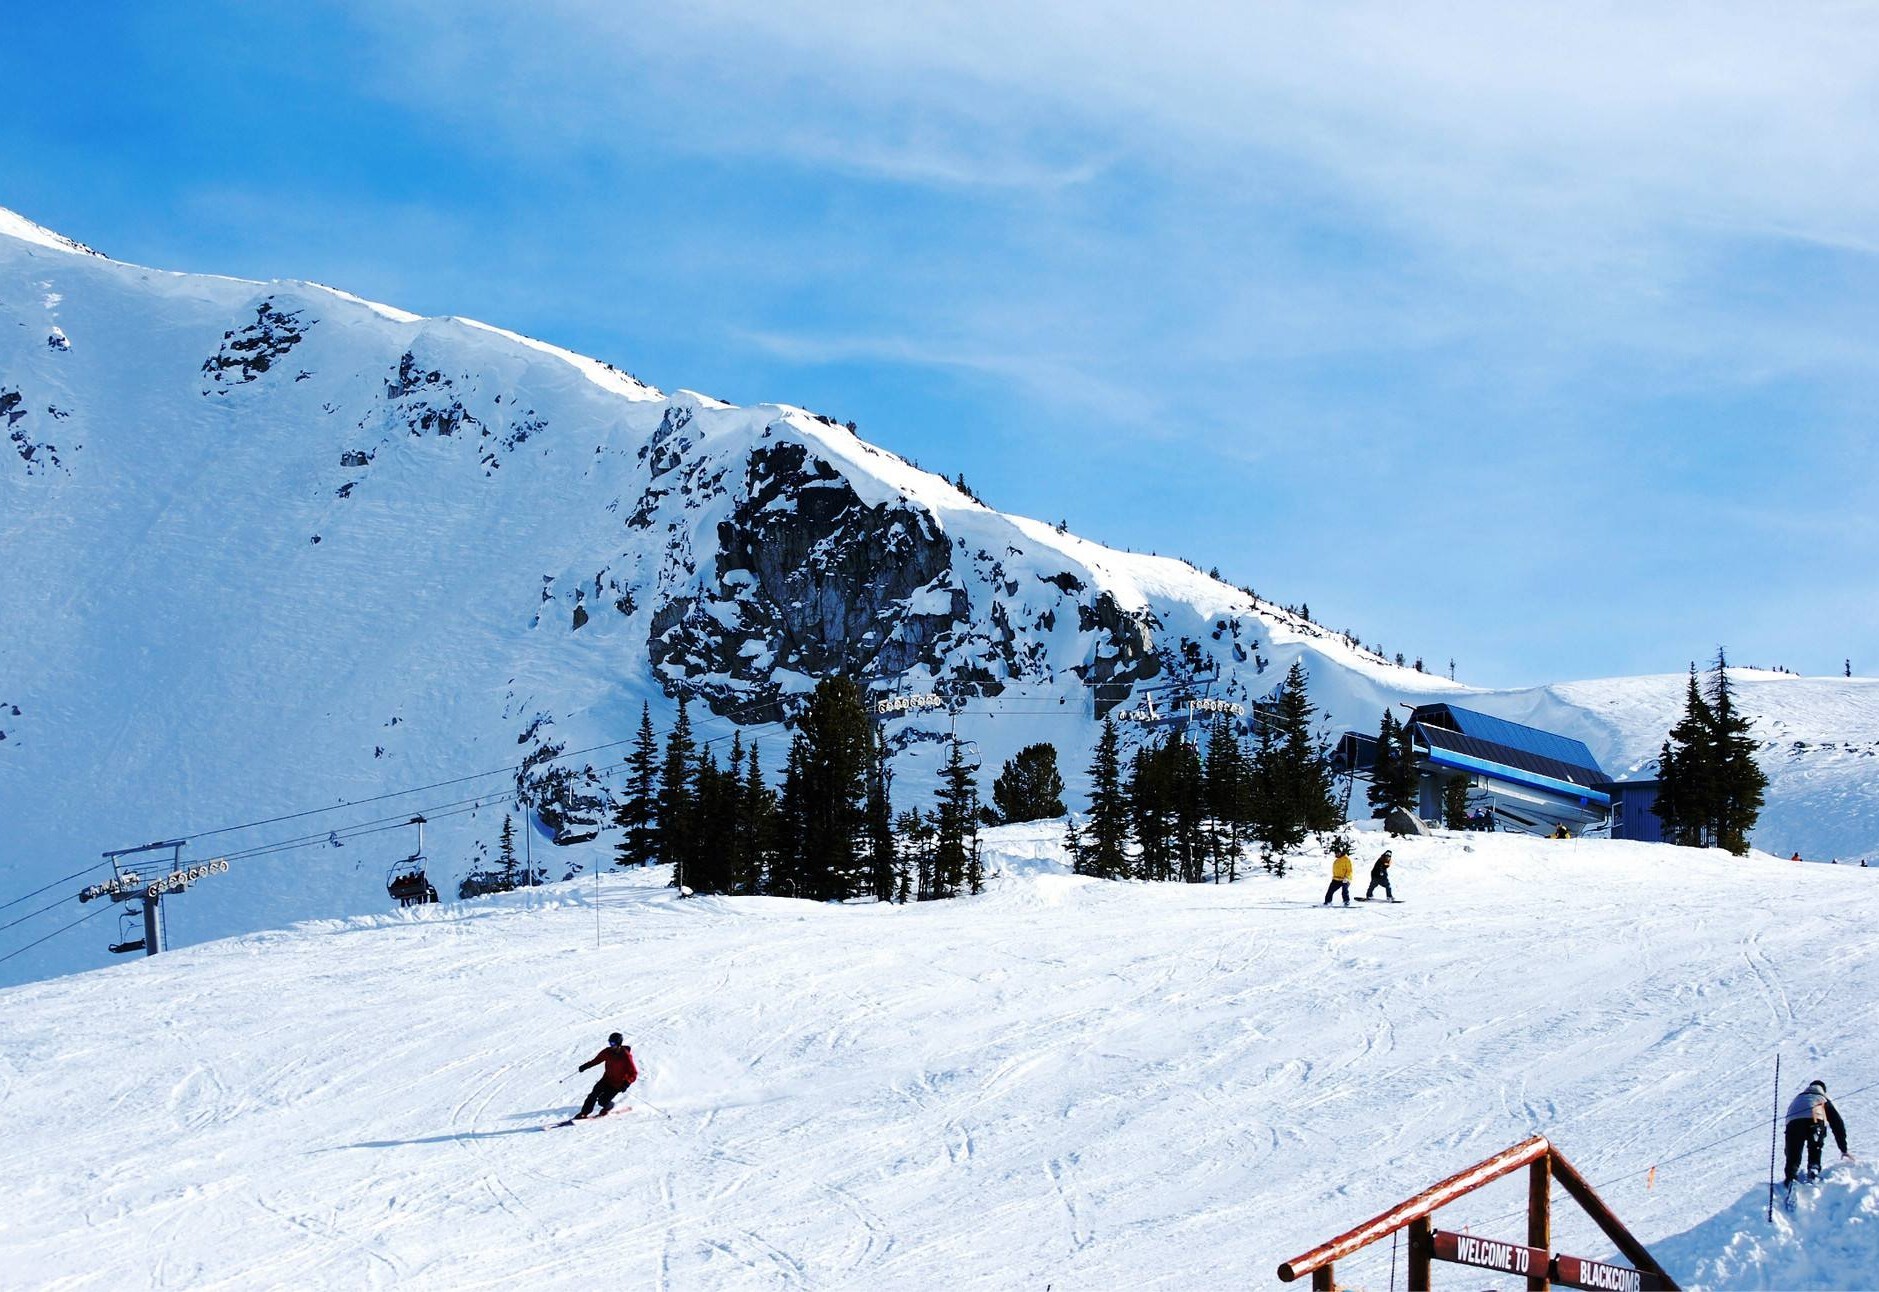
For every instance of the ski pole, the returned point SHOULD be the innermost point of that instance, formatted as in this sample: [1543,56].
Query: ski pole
[1774,1127]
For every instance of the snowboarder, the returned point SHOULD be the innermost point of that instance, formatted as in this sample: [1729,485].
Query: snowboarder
[619,1073]
[1560,832]
[1380,878]
[1809,1117]
[1340,878]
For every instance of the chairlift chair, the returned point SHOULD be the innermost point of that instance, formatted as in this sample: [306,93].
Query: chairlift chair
[406,880]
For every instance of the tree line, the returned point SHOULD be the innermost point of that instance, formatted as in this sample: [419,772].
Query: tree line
[1185,812]
[827,830]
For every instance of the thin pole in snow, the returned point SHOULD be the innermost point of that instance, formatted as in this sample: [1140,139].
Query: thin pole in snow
[596,908]
[1774,1127]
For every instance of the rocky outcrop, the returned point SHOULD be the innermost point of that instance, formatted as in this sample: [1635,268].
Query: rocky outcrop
[253,349]
[810,580]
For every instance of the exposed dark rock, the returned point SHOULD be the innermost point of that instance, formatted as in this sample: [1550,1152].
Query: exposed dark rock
[249,351]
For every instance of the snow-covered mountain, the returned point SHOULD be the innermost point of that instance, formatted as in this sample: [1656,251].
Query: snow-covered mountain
[268,550]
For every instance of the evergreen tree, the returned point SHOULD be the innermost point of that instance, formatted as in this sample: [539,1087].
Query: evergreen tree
[1684,790]
[1739,783]
[708,867]
[675,797]
[786,876]
[1455,803]
[756,822]
[834,769]
[1709,787]
[1103,849]
[1383,775]
[1226,790]
[1151,803]
[955,824]
[1292,771]
[1186,785]
[507,865]
[882,860]
[637,810]
[914,837]
[1029,788]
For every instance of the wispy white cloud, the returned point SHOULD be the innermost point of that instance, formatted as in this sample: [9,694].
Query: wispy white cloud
[1438,249]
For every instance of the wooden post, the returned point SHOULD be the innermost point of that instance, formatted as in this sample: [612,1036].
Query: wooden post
[1323,1280]
[1539,1217]
[1421,1249]
[1594,1206]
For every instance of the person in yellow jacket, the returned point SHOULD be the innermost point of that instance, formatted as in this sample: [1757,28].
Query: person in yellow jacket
[1340,878]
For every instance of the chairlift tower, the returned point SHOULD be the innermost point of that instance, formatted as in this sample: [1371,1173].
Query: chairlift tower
[130,885]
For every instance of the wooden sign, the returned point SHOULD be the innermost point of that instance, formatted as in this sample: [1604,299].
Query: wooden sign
[1577,1272]
[1488,1253]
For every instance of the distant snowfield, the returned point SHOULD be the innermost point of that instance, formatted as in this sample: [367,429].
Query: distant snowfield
[1063,1083]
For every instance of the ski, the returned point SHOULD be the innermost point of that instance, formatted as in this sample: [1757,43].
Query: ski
[594,1118]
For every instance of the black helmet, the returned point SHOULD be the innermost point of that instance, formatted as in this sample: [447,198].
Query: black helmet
[615,1039]
[1821,1086]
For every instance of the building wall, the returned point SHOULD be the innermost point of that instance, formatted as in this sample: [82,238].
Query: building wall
[1632,817]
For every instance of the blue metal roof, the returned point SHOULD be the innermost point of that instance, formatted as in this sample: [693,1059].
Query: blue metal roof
[1510,735]
[1452,749]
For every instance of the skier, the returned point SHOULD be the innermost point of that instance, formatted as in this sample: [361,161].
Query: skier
[1340,878]
[1560,832]
[1380,878]
[1809,1117]
[619,1073]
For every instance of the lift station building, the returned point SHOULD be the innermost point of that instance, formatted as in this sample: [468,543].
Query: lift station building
[1531,780]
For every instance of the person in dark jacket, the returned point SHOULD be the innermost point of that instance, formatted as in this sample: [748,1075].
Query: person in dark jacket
[1809,1117]
[1380,878]
[619,1072]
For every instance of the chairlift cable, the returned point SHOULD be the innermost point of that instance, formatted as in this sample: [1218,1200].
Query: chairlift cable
[89,915]
[54,884]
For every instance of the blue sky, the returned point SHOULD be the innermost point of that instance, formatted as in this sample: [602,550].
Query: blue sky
[1545,343]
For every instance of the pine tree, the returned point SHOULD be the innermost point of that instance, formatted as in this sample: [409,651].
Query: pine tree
[675,797]
[913,834]
[1455,803]
[1685,790]
[756,815]
[708,867]
[1186,782]
[1739,783]
[834,768]
[1103,848]
[955,824]
[1150,813]
[1292,771]
[507,866]
[1709,787]
[1226,790]
[881,856]
[1383,775]
[636,812]
[786,877]
[1029,788]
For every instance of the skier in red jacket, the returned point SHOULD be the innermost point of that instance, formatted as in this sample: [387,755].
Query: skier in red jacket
[618,1073]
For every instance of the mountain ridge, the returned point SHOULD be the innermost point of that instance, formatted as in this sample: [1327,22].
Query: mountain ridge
[278,546]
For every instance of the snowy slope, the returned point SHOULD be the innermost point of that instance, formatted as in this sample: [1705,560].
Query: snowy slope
[1063,1083]
[270,550]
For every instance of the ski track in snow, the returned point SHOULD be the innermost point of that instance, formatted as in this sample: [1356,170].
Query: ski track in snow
[1062,1082]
